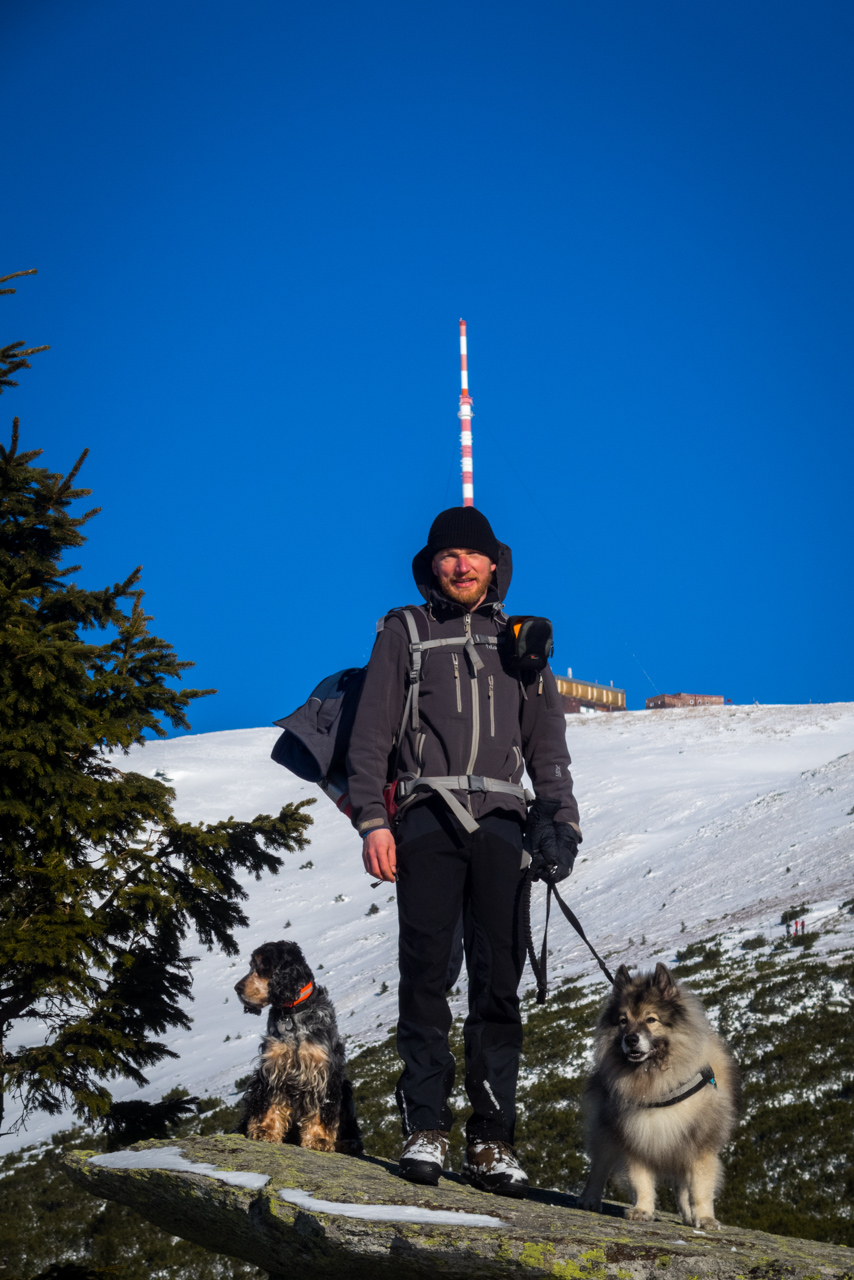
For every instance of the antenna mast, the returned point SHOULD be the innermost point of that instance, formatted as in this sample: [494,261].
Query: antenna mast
[465,416]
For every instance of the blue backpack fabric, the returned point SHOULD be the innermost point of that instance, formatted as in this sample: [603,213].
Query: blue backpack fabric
[315,737]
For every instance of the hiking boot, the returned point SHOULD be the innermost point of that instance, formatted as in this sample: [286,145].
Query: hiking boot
[423,1156]
[492,1166]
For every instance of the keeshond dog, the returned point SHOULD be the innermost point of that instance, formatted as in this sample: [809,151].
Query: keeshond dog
[662,1100]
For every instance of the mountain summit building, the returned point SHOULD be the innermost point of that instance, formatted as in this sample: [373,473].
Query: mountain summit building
[581,697]
[684,700]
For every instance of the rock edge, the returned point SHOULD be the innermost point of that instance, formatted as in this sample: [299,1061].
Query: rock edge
[545,1235]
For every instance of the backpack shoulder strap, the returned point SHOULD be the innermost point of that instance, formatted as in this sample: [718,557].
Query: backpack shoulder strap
[415,651]
[407,614]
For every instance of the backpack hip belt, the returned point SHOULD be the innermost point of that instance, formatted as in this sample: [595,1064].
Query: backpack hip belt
[468,782]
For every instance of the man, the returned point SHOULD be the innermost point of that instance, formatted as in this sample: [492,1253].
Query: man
[468,718]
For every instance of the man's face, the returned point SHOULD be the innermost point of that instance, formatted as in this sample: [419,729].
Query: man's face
[463,575]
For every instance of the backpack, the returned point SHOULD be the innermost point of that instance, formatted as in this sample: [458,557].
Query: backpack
[315,738]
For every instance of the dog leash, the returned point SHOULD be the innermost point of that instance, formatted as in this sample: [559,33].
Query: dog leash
[540,966]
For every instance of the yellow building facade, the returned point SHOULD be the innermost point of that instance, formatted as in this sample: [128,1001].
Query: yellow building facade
[585,693]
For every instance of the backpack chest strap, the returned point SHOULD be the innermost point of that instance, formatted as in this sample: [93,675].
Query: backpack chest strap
[417,647]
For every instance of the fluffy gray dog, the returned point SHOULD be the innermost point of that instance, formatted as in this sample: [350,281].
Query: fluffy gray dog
[662,1100]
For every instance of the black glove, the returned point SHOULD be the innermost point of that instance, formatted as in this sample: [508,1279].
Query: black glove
[553,845]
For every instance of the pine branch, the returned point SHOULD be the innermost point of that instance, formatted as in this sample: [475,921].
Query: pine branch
[13,359]
[72,475]
[15,276]
[13,356]
[11,454]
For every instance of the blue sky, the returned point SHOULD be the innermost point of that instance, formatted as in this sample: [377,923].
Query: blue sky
[257,226]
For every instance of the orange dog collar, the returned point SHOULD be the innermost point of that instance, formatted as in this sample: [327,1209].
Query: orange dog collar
[303,995]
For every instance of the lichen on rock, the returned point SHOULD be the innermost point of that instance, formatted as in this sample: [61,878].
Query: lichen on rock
[545,1235]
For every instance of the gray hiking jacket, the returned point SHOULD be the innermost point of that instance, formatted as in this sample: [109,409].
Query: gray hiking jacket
[485,722]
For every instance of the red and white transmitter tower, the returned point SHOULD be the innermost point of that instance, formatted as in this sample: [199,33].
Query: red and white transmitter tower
[465,416]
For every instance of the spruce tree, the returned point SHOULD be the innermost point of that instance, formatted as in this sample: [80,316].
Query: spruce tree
[100,885]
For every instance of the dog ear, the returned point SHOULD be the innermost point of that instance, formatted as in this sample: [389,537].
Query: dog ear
[261,960]
[665,981]
[622,977]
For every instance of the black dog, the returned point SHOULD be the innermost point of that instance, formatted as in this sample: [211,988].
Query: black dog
[298,1094]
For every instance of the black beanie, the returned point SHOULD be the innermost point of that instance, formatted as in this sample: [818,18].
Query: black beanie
[463,527]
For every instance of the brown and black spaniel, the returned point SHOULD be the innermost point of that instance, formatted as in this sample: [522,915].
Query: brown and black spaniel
[298,1093]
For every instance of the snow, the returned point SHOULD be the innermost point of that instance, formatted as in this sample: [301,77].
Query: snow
[500,1163]
[390,1212]
[697,822]
[173,1158]
[426,1148]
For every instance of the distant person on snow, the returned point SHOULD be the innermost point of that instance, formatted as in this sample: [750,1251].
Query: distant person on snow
[454,843]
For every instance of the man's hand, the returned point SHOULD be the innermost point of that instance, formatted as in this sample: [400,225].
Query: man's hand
[554,860]
[379,854]
[553,844]
[566,841]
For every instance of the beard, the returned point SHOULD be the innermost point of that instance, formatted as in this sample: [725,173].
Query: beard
[469,592]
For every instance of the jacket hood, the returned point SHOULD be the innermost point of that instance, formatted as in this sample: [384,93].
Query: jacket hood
[425,579]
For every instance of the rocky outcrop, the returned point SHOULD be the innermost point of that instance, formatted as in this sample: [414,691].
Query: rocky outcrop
[295,1212]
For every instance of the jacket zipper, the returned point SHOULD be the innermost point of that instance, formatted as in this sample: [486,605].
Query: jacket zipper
[491,710]
[456,660]
[475,710]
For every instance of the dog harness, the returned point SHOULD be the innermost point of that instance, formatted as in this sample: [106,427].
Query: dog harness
[303,995]
[703,1077]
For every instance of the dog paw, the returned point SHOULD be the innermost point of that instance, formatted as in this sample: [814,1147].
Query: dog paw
[707,1224]
[634,1214]
[591,1204]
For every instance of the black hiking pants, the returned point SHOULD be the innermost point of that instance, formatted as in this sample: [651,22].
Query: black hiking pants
[444,872]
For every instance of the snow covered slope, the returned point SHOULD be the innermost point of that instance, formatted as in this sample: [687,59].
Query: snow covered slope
[696,822]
